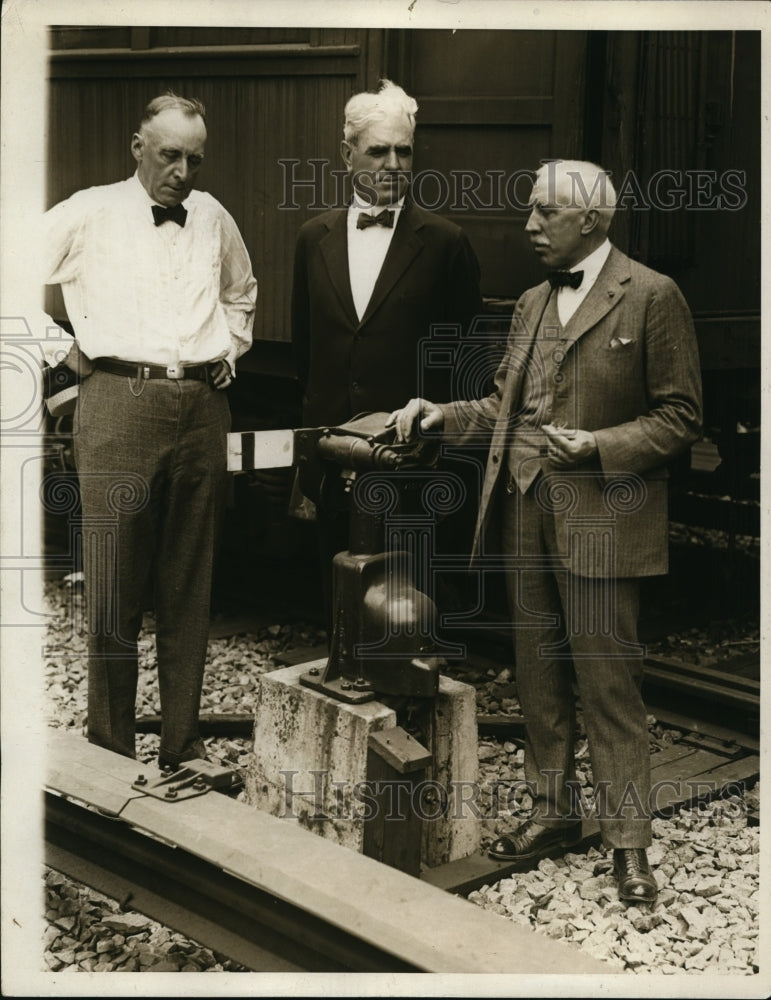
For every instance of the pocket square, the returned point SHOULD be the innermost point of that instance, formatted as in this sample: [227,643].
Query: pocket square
[620,341]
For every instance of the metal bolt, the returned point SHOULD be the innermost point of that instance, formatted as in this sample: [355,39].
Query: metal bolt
[361,682]
[171,793]
[199,784]
[314,671]
[141,780]
[345,685]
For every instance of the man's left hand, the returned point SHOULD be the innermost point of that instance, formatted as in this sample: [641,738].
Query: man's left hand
[568,448]
[222,377]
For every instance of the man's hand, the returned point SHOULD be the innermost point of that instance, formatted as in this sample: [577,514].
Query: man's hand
[78,362]
[568,448]
[222,377]
[406,419]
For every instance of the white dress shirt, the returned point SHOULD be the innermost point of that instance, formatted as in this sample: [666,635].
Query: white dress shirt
[569,299]
[139,292]
[367,249]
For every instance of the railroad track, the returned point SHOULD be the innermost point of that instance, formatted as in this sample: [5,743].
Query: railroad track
[273,897]
[263,891]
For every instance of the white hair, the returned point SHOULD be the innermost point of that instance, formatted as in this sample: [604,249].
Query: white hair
[589,185]
[363,110]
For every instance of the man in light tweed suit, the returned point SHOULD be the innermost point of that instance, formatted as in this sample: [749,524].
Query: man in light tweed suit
[599,389]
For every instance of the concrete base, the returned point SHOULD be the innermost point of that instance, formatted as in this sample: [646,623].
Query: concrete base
[455,769]
[310,760]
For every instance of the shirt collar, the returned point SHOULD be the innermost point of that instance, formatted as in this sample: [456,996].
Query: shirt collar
[593,264]
[139,192]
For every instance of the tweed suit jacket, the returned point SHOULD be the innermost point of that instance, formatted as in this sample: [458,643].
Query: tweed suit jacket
[629,372]
[347,366]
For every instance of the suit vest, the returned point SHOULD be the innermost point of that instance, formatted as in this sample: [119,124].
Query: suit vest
[527,443]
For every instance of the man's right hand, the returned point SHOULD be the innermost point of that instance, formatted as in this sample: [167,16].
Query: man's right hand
[406,420]
[79,362]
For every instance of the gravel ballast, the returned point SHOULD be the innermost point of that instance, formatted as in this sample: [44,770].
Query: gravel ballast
[705,859]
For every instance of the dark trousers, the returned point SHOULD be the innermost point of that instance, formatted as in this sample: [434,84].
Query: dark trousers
[151,461]
[569,629]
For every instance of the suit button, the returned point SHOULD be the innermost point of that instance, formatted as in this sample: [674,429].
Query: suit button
[495,459]
[354,385]
[558,377]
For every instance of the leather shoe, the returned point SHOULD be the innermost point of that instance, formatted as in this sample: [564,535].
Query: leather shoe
[635,882]
[534,841]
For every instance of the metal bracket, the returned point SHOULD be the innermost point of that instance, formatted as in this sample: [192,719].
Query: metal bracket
[196,777]
[354,692]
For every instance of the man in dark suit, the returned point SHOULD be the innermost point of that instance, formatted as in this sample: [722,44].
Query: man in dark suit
[599,389]
[371,281]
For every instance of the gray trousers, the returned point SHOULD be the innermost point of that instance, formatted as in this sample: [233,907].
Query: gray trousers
[151,462]
[570,630]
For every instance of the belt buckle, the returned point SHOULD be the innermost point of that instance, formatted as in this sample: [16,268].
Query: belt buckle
[175,371]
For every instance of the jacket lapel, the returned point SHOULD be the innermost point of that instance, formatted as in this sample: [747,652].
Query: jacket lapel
[604,295]
[334,249]
[406,244]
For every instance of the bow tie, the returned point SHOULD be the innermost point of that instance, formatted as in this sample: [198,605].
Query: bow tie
[384,218]
[558,279]
[177,213]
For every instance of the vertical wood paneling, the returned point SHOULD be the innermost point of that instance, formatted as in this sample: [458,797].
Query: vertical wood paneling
[253,123]
[486,76]
[657,113]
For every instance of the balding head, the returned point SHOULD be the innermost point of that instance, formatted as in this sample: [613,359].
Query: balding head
[577,184]
[169,148]
[572,205]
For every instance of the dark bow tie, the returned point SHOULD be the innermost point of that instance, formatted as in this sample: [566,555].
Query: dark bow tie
[177,213]
[558,279]
[384,218]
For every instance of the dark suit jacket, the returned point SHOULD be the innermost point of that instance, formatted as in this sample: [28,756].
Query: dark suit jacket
[430,276]
[631,375]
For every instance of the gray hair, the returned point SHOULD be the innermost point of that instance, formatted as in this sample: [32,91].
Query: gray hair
[190,106]
[590,184]
[364,109]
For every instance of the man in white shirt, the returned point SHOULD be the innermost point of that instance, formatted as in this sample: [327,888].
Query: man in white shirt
[160,293]
[370,282]
[599,389]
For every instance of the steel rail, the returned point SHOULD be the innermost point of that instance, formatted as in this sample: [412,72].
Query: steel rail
[709,692]
[254,927]
[278,893]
